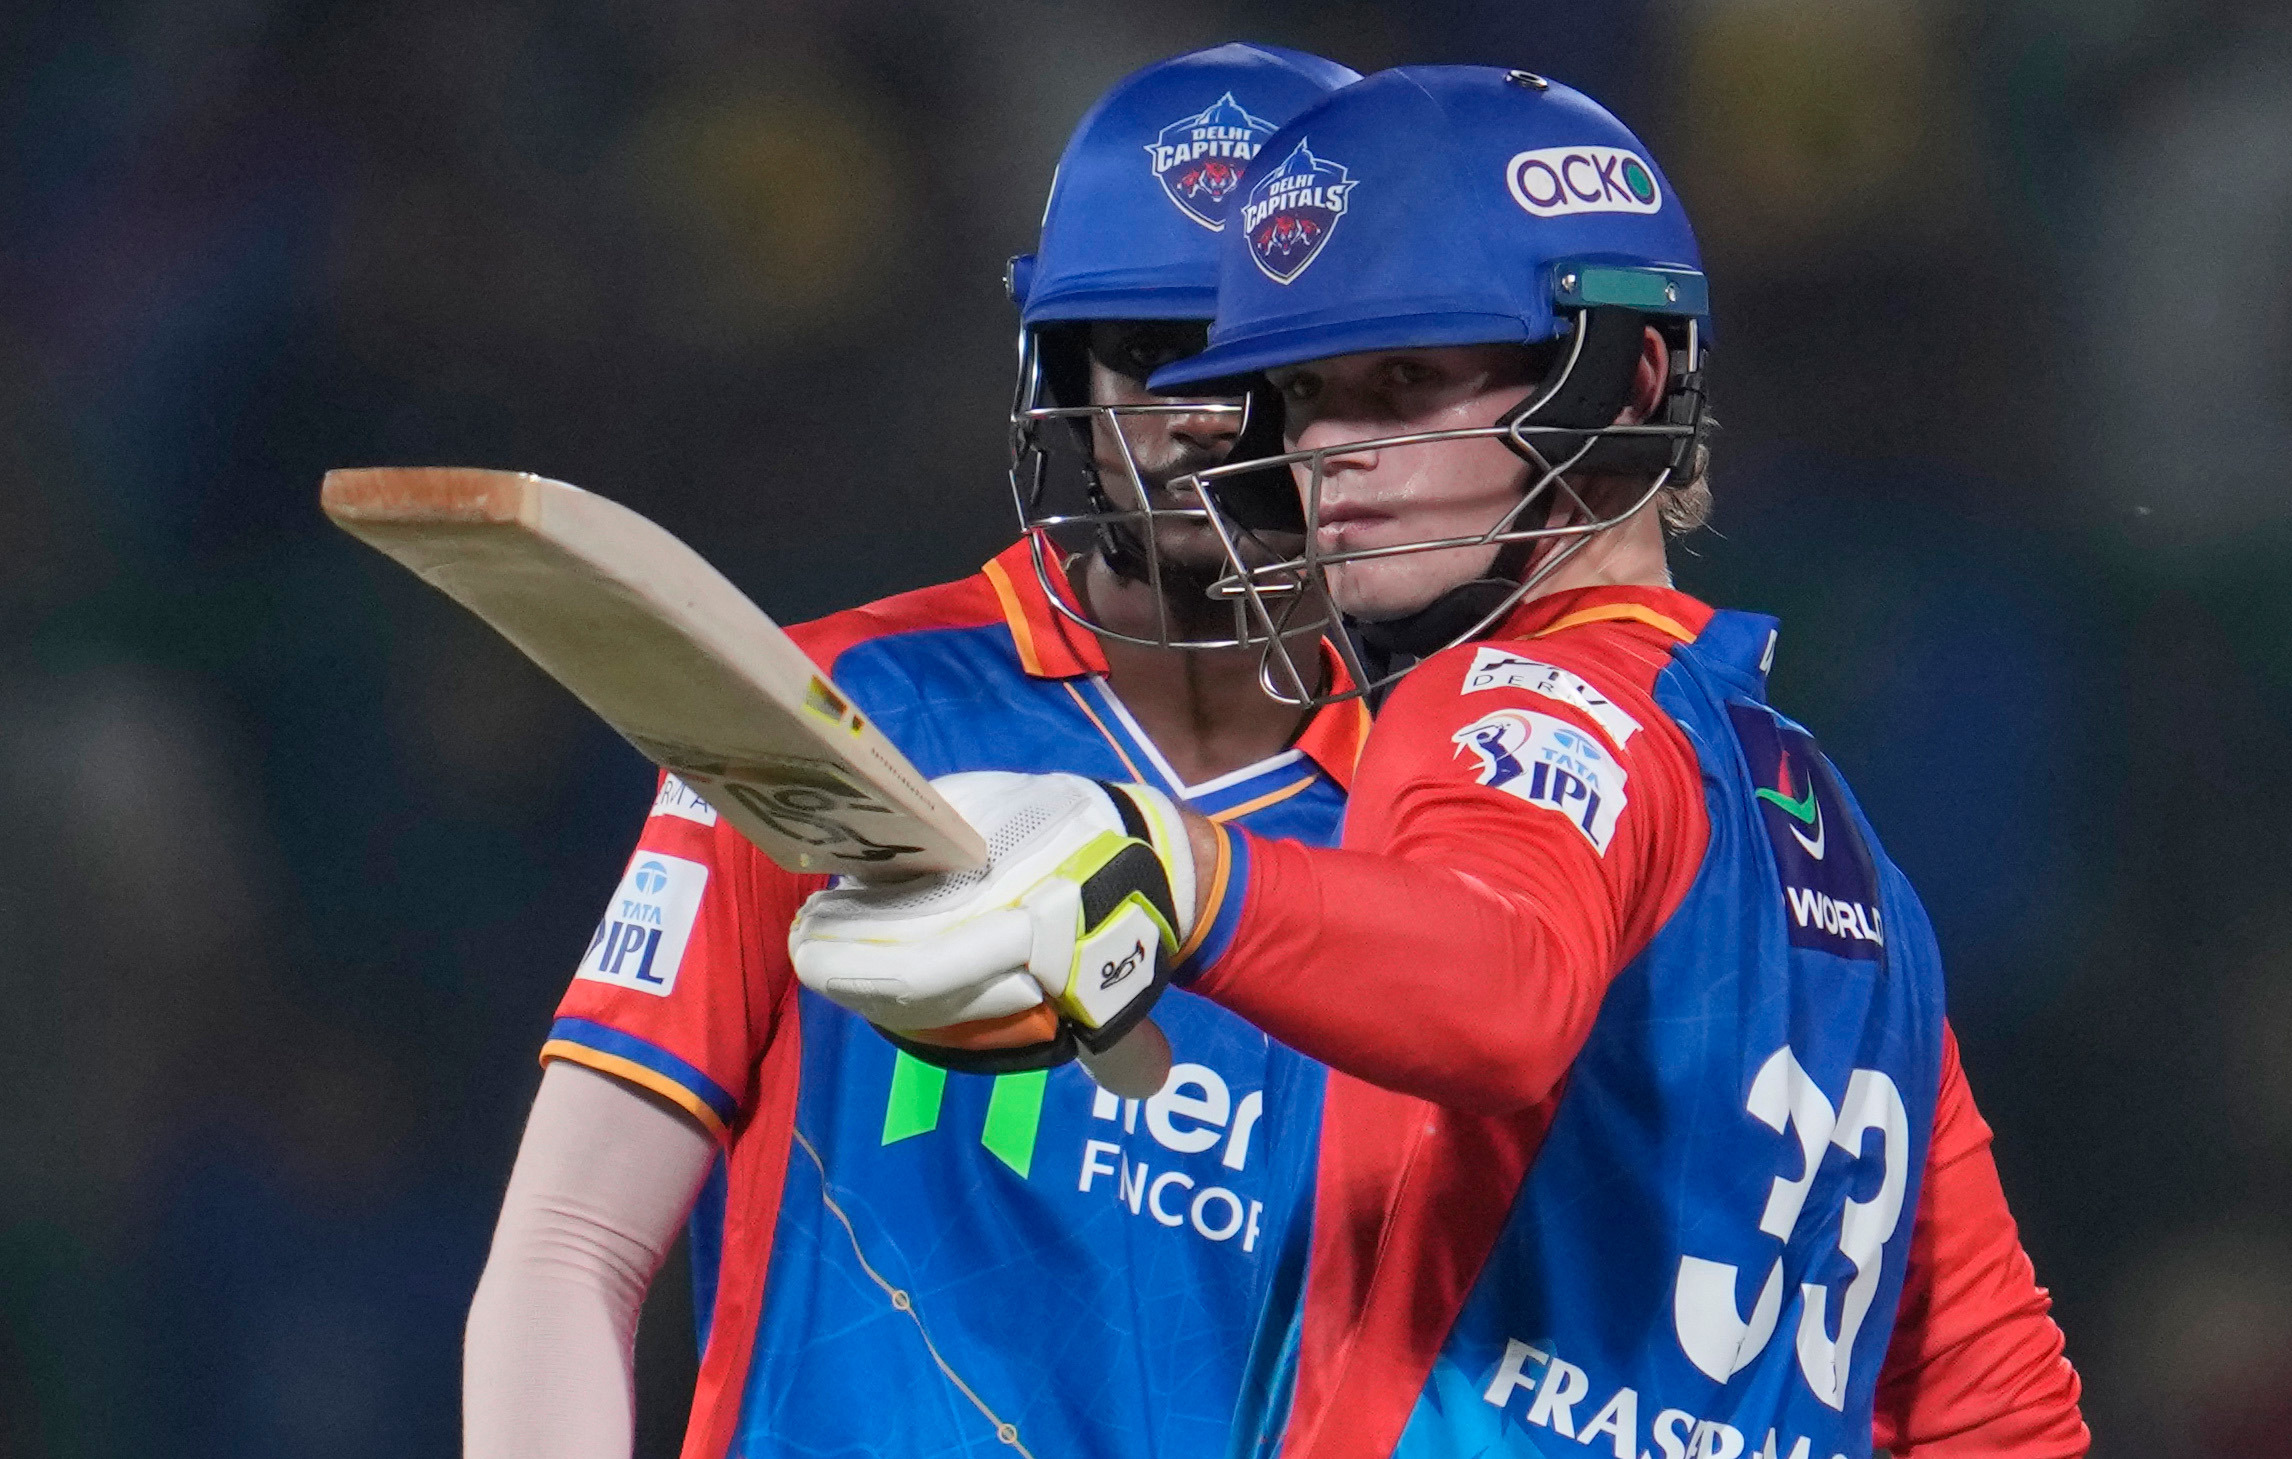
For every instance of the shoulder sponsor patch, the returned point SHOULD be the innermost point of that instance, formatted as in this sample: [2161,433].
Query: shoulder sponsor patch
[1830,883]
[640,943]
[1551,763]
[1501,668]
[677,799]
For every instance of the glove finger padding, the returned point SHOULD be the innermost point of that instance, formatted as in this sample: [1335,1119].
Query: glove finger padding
[929,982]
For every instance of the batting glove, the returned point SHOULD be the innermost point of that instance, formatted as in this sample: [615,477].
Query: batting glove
[1065,936]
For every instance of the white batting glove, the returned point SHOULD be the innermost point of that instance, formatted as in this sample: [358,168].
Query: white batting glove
[1086,897]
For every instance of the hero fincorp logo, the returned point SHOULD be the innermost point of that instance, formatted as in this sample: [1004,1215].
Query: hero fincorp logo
[1552,182]
[1291,211]
[1199,159]
[1198,1115]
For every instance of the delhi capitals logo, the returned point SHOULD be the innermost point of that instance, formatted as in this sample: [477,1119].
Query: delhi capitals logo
[1199,159]
[1291,211]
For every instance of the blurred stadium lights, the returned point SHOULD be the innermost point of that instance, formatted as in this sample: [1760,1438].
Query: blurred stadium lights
[2189,274]
[1802,119]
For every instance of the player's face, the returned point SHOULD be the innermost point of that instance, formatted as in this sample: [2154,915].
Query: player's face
[1416,493]
[1163,446]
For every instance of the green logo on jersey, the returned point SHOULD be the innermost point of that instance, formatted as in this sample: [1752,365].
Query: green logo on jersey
[1014,1109]
[1802,809]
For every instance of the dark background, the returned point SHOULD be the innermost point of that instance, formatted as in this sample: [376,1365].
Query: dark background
[295,858]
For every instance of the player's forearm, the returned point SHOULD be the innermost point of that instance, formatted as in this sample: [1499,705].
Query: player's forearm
[604,1179]
[1409,973]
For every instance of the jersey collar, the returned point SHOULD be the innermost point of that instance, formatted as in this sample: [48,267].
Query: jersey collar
[1050,644]
[1666,610]
[1053,646]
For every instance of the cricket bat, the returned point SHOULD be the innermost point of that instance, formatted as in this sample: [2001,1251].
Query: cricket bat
[684,667]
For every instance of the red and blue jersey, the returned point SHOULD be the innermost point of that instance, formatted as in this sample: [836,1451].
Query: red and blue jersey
[892,1259]
[1645,1134]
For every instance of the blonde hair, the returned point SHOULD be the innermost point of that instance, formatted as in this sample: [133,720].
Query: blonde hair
[1685,506]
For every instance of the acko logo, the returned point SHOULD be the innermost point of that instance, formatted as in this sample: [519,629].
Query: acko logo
[1199,159]
[1552,182]
[1291,211]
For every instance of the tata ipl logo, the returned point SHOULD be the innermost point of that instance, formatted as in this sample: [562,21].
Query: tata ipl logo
[1553,182]
[1291,211]
[1014,1110]
[1199,159]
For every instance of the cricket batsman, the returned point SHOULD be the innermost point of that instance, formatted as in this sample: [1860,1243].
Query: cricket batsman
[1646,1132]
[891,1259]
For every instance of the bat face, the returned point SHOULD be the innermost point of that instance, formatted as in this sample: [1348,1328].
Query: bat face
[671,655]
[676,659]
[812,807]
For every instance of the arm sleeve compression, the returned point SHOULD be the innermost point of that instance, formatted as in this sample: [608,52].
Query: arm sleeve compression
[605,1176]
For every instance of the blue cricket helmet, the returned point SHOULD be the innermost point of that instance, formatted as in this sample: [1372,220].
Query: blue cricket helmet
[1442,205]
[1145,186]
[1130,233]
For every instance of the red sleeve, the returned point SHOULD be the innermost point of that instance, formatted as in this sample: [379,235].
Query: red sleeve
[1976,1365]
[1507,850]
[682,982]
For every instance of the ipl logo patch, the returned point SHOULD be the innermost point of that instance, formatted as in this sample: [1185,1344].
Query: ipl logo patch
[1199,159]
[1550,763]
[1291,211]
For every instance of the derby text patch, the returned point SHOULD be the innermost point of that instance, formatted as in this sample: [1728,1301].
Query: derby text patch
[1499,668]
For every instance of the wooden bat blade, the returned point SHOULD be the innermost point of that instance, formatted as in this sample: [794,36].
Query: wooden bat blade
[670,654]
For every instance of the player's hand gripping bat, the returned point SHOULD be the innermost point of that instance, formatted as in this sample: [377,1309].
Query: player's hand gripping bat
[687,669]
